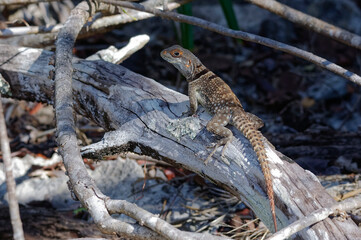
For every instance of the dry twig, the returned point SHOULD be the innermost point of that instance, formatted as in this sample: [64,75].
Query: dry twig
[28,36]
[10,181]
[324,63]
[22,2]
[153,222]
[310,22]
[82,184]
[18,31]
[113,55]
[315,217]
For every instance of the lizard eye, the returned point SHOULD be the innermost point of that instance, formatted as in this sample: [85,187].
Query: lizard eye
[176,53]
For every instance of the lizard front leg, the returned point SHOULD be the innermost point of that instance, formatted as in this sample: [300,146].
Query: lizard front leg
[193,102]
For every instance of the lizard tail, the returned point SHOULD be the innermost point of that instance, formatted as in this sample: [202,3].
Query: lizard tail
[247,127]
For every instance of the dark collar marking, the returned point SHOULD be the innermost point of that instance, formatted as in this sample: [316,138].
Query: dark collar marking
[201,73]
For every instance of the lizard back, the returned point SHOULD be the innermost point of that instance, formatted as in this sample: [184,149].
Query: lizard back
[214,94]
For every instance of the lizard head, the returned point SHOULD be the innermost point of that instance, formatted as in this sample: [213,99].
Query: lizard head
[182,59]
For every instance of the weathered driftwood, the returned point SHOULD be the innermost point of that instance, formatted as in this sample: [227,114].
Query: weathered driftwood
[147,119]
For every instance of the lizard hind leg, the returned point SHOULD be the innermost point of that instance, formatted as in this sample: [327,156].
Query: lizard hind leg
[217,126]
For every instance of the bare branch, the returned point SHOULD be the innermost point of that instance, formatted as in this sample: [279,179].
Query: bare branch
[17,31]
[22,2]
[154,222]
[324,63]
[10,181]
[113,55]
[25,2]
[82,184]
[315,217]
[98,25]
[310,22]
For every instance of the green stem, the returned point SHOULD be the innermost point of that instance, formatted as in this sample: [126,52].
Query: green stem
[187,40]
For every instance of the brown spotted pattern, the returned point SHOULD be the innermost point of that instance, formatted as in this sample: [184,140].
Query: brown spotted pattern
[217,98]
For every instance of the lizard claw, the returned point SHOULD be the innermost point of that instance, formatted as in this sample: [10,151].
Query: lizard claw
[188,114]
[212,145]
[215,146]
[224,159]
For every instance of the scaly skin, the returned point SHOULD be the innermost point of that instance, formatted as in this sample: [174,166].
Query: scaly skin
[217,98]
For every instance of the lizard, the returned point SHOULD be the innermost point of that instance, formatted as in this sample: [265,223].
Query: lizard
[210,91]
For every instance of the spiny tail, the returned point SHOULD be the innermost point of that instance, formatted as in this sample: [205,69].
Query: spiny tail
[247,127]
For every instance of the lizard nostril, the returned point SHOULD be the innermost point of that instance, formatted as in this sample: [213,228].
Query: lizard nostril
[164,52]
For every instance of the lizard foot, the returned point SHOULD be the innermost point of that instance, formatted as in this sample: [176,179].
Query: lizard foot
[188,114]
[215,147]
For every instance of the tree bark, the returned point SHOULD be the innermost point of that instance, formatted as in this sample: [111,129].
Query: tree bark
[147,119]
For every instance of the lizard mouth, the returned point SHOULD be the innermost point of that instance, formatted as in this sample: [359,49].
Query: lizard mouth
[168,59]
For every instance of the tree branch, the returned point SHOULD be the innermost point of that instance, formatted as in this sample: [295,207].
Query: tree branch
[18,31]
[154,222]
[324,63]
[310,22]
[113,55]
[22,2]
[10,181]
[317,216]
[82,184]
[28,36]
